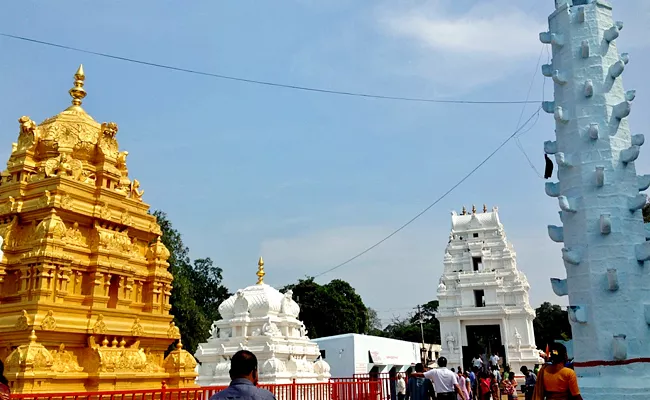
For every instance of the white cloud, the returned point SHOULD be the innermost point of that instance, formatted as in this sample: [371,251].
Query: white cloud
[461,51]
[506,35]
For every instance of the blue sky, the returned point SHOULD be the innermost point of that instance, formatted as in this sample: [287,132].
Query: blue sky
[308,180]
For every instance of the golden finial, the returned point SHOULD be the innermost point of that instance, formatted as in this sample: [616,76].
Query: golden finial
[464,212]
[260,271]
[473,209]
[77,92]
[484,208]
[32,337]
[179,345]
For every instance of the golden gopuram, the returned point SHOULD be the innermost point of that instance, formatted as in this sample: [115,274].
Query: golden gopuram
[84,286]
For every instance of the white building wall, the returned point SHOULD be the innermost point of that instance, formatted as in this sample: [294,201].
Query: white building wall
[348,354]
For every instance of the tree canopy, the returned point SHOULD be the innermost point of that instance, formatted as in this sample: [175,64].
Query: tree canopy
[551,323]
[337,300]
[409,328]
[197,290]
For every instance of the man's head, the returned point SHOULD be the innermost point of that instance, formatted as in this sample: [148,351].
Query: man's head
[524,370]
[244,366]
[419,367]
[442,362]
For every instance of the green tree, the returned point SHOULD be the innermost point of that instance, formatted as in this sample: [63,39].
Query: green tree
[409,328]
[197,290]
[337,300]
[551,323]
[374,323]
[646,212]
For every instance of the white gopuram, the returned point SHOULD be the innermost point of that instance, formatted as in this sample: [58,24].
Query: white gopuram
[484,306]
[606,244]
[264,321]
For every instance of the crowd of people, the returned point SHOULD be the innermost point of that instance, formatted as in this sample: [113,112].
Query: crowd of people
[555,380]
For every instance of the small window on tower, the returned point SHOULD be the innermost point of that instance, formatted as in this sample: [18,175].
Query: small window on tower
[475,235]
[477,263]
[322,354]
[479,298]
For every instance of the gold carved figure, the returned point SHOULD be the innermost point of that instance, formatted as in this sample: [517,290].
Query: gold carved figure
[49,323]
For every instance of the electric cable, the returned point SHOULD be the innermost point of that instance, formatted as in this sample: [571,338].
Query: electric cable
[418,215]
[264,83]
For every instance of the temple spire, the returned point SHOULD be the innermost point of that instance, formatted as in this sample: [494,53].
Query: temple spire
[77,92]
[260,271]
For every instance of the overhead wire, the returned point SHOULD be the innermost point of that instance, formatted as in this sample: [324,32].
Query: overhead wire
[260,82]
[521,115]
[418,215]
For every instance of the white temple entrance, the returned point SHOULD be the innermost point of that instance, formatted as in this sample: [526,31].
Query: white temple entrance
[482,340]
[484,307]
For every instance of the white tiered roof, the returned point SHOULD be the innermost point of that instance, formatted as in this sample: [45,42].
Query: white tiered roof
[261,319]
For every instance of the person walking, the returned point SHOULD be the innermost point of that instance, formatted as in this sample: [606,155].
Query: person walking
[5,392]
[463,386]
[244,379]
[494,361]
[510,387]
[555,381]
[477,362]
[401,387]
[418,387]
[445,382]
[473,380]
[529,384]
[485,391]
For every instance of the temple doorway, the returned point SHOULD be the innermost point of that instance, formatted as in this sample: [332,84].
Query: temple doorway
[483,340]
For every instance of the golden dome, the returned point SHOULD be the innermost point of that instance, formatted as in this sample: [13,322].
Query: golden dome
[72,131]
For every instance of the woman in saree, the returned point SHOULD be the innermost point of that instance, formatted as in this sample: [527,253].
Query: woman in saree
[555,381]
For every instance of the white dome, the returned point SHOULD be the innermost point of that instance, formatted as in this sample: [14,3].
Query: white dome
[260,300]
[321,367]
[273,366]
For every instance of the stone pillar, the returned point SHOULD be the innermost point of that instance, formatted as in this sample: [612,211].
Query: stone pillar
[605,249]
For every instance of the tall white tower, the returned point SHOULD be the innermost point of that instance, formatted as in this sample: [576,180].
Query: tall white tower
[484,305]
[605,249]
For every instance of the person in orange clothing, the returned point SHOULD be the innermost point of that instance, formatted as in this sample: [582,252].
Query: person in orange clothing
[555,381]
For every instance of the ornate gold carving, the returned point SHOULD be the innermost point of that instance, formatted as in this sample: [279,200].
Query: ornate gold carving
[44,200]
[157,251]
[135,193]
[64,361]
[8,206]
[22,324]
[173,332]
[126,218]
[8,232]
[137,329]
[51,227]
[105,212]
[100,325]
[74,236]
[28,136]
[114,358]
[179,360]
[49,323]
[107,143]
[29,357]
[63,165]
[67,202]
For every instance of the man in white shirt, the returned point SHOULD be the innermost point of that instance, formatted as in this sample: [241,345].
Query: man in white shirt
[494,360]
[477,362]
[445,382]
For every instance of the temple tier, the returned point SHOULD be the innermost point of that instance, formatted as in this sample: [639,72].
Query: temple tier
[84,286]
[605,249]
